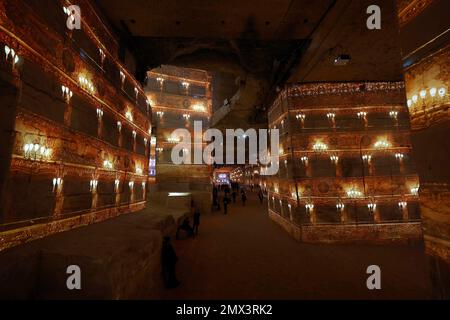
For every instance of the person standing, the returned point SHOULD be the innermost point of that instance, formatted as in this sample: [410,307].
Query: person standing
[234,195]
[185,226]
[169,260]
[196,220]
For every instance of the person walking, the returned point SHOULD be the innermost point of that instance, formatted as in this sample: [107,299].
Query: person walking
[169,260]
[225,204]
[243,197]
[260,196]
[215,193]
[218,202]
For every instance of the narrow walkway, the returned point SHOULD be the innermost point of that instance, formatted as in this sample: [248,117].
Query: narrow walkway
[244,255]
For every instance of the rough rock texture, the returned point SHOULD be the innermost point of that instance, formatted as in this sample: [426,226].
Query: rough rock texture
[119,259]
[321,121]
[84,167]
[426,57]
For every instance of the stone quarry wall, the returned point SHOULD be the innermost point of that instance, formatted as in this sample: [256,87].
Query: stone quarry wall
[76,125]
[118,259]
[180,97]
[405,233]
[346,165]
[426,53]
[431,125]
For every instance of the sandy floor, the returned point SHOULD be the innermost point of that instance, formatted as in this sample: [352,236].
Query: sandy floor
[244,255]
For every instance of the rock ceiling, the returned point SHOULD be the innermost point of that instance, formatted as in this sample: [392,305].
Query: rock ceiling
[263,43]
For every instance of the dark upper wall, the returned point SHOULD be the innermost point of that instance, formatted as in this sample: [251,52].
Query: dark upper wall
[375,53]
[224,86]
[424,29]
[233,19]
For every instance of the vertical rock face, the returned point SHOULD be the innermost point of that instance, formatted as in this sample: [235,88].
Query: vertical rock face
[244,109]
[346,165]
[67,161]
[427,77]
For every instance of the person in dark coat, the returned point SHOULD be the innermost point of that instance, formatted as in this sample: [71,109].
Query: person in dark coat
[234,195]
[225,205]
[169,260]
[186,226]
[215,197]
[196,220]
[243,197]
[260,196]
[218,202]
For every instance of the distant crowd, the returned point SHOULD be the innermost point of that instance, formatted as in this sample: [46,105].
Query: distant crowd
[222,197]
[225,195]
